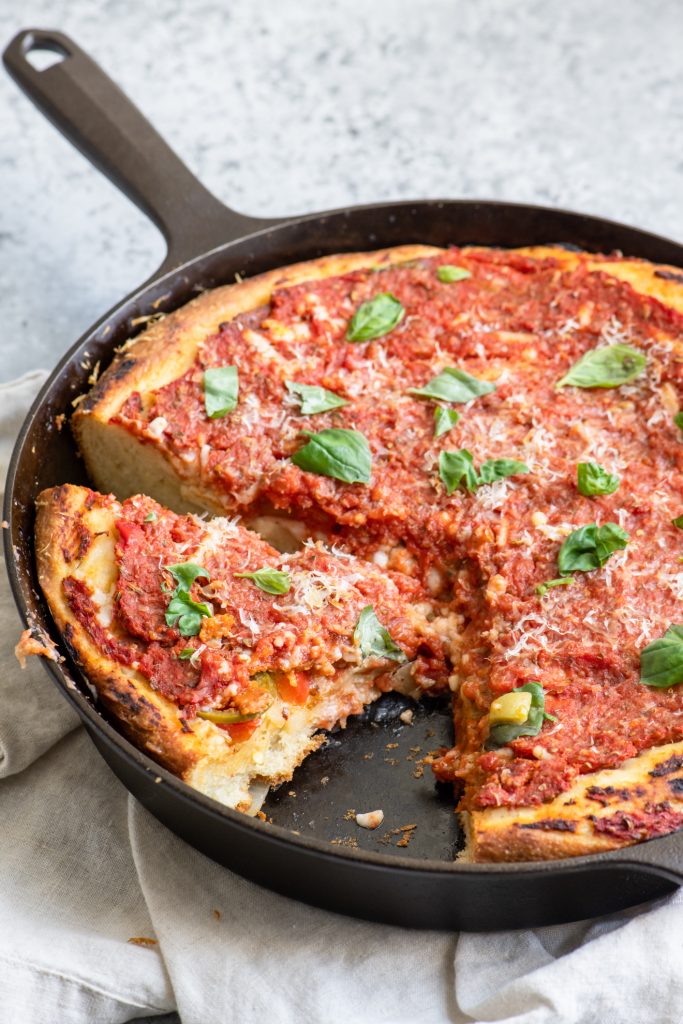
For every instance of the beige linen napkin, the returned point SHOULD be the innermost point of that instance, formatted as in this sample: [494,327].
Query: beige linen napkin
[83,869]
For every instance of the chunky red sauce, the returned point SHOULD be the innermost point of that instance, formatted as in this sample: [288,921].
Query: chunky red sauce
[299,636]
[521,323]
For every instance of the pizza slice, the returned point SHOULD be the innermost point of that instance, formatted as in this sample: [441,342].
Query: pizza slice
[222,658]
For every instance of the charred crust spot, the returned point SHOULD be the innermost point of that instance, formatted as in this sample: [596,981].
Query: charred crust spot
[77,542]
[676,786]
[667,767]
[604,794]
[669,275]
[119,370]
[551,825]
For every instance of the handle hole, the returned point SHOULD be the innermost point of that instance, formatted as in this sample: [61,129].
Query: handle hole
[44,54]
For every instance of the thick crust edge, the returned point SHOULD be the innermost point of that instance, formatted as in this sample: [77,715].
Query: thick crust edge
[569,825]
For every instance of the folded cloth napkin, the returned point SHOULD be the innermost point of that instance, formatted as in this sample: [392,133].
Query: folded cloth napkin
[84,869]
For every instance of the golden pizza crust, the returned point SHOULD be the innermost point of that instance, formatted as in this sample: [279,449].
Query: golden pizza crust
[75,536]
[565,827]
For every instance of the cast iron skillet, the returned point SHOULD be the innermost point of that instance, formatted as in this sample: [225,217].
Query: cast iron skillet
[310,851]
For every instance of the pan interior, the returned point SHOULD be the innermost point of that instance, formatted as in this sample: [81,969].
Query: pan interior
[376,763]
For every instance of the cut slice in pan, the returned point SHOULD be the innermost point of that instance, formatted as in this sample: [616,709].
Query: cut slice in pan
[220,657]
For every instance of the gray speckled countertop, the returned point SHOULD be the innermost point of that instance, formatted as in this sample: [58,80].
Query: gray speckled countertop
[288,107]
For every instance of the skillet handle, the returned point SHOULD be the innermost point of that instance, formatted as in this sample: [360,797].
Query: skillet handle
[92,112]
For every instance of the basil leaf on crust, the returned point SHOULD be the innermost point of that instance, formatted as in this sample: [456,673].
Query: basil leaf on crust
[453,385]
[590,547]
[373,639]
[186,614]
[678,521]
[444,420]
[448,273]
[185,573]
[606,367]
[221,386]
[270,581]
[502,734]
[341,454]
[661,662]
[375,318]
[497,469]
[456,468]
[678,420]
[592,479]
[314,398]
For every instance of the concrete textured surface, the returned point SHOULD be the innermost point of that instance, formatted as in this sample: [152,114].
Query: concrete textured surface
[292,106]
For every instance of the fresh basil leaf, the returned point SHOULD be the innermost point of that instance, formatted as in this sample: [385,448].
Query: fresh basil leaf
[453,385]
[271,581]
[185,573]
[373,639]
[678,521]
[314,398]
[678,420]
[661,662]
[593,479]
[590,546]
[444,420]
[186,653]
[375,318]
[456,468]
[541,588]
[447,274]
[186,614]
[502,734]
[151,517]
[221,386]
[341,454]
[606,367]
[497,469]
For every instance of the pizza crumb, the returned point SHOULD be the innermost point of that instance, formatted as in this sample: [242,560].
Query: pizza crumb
[345,841]
[407,716]
[392,746]
[217,915]
[5,524]
[28,646]
[291,792]
[60,421]
[370,819]
[261,816]
[142,940]
[325,779]
[158,778]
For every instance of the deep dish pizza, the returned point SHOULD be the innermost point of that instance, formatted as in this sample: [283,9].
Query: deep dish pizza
[503,429]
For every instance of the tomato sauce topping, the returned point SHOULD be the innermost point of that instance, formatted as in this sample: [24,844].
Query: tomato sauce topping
[299,636]
[520,323]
